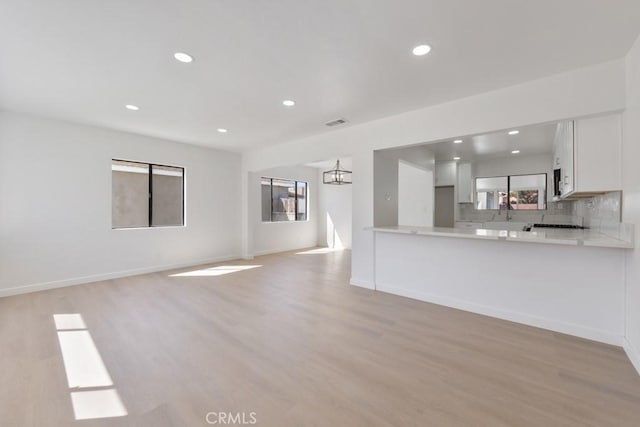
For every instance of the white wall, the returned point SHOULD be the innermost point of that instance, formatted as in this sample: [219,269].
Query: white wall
[55,214]
[631,201]
[385,181]
[591,90]
[415,195]
[272,237]
[335,210]
[385,188]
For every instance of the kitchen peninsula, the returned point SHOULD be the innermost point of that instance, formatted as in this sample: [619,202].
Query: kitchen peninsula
[521,224]
[506,274]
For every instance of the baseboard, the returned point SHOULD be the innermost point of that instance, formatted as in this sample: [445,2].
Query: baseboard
[632,354]
[107,276]
[526,319]
[367,284]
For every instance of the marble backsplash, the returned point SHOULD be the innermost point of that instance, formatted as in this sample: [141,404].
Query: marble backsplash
[600,212]
[556,213]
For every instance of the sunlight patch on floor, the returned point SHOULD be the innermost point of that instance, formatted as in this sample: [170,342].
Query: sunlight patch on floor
[215,271]
[82,361]
[68,321]
[319,251]
[97,404]
[85,369]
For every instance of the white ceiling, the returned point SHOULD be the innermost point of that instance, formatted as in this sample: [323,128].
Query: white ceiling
[84,60]
[532,140]
[345,163]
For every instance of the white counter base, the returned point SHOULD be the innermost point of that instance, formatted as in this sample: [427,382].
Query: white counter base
[568,289]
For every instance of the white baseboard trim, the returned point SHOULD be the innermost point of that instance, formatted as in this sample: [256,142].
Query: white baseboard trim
[526,319]
[632,354]
[107,276]
[367,284]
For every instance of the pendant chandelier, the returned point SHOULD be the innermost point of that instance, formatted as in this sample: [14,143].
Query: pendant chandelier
[337,176]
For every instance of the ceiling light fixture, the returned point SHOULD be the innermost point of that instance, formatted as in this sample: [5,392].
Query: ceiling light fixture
[221,130]
[132,107]
[515,152]
[183,57]
[421,50]
[456,158]
[288,103]
[514,132]
[337,176]
[457,141]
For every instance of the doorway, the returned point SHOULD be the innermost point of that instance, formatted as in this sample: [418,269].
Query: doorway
[444,207]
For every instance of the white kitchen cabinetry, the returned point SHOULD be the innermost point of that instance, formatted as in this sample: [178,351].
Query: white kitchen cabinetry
[464,186]
[445,174]
[598,154]
[588,153]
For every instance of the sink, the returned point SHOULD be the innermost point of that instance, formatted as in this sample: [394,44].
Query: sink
[505,225]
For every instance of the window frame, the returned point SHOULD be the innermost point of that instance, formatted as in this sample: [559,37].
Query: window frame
[150,196]
[306,200]
[509,208]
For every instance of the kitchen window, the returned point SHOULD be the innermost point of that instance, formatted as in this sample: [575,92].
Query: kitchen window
[146,195]
[283,200]
[514,192]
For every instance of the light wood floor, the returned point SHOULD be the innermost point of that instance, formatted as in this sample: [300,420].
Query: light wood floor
[294,343]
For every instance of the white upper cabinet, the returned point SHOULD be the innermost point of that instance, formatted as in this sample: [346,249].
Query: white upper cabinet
[588,154]
[464,186]
[598,154]
[445,174]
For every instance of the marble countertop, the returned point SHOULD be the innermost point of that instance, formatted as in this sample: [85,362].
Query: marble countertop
[548,236]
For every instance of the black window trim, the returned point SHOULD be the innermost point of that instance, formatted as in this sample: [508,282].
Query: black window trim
[150,195]
[295,192]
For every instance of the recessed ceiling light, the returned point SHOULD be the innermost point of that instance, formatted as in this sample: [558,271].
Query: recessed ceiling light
[456,158]
[421,50]
[515,152]
[288,103]
[457,141]
[132,107]
[514,132]
[222,130]
[183,57]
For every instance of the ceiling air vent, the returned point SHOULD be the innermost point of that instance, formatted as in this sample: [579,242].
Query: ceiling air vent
[335,122]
